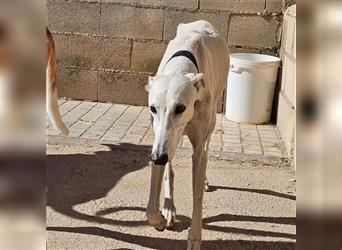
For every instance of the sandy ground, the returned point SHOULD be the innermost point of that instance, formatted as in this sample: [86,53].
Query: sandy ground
[97,195]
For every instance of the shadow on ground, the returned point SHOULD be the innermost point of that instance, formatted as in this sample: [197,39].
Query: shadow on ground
[79,178]
[162,243]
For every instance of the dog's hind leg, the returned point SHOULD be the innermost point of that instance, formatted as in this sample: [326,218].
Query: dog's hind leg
[206,184]
[169,210]
[153,214]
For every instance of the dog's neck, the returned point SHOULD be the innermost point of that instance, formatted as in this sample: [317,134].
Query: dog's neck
[179,65]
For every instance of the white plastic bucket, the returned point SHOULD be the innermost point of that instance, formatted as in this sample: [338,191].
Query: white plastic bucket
[250,87]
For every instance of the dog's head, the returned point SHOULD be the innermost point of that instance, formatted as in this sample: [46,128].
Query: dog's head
[171,102]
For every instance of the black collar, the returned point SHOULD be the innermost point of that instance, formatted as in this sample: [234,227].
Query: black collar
[188,55]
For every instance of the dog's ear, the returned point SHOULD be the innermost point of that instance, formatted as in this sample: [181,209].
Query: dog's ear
[196,79]
[150,81]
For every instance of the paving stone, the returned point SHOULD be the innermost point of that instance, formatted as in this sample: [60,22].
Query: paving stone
[68,106]
[232,149]
[226,138]
[100,127]
[123,124]
[96,112]
[252,151]
[71,117]
[61,101]
[86,121]
[115,123]
[78,128]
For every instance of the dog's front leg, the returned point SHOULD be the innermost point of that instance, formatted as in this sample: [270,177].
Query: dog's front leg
[169,209]
[199,161]
[153,214]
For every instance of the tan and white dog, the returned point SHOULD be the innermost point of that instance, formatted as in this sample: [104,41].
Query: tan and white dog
[11,88]
[183,99]
[51,86]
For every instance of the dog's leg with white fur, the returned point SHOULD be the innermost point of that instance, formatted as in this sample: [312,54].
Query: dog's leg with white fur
[198,175]
[153,213]
[169,209]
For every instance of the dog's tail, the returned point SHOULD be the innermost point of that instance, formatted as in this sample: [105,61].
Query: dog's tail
[51,87]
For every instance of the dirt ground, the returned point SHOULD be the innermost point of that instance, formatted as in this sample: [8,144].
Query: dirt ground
[97,195]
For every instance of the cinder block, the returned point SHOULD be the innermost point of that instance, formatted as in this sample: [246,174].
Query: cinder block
[243,50]
[77,84]
[149,2]
[146,56]
[127,88]
[132,22]
[174,17]
[184,4]
[274,5]
[82,17]
[286,123]
[99,52]
[254,31]
[271,52]
[62,49]
[252,6]
[154,3]
[118,1]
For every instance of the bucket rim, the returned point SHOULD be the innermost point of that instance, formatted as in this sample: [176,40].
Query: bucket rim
[271,59]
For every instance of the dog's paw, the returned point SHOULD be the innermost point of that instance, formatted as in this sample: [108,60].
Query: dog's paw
[162,225]
[157,221]
[169,214]
[194,245]
[206,186]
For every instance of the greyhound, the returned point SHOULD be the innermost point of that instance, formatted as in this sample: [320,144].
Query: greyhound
[183,99]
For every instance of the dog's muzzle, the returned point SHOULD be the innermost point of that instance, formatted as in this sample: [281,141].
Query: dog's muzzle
[160,160]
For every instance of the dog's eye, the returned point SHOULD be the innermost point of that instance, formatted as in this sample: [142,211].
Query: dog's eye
[180,108]
[153,109]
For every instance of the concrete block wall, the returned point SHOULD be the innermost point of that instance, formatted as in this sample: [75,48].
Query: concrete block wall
[286,113]
[107,48]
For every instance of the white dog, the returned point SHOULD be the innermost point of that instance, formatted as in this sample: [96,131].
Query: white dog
[183,99]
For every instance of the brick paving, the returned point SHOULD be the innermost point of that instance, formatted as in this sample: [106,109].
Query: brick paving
[117,123]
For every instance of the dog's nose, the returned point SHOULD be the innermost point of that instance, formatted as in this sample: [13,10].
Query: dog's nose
[160,160]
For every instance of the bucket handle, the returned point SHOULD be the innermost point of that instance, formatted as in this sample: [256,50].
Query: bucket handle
[237,70]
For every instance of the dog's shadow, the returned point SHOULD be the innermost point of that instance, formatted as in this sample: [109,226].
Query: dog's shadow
[79,178]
